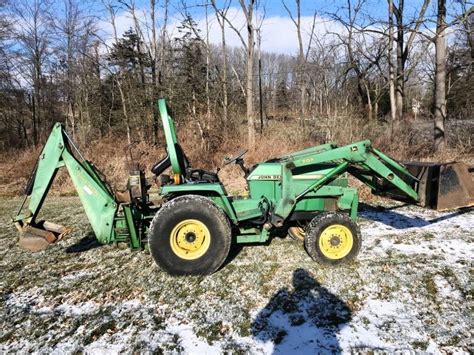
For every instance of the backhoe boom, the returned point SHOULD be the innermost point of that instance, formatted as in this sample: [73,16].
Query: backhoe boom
[99,203]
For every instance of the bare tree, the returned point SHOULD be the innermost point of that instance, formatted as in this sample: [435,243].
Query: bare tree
[112,11]
[163,46]
[302,55]
[154,64]
[248,9]
[391,67]
[73,30]
[403,50]
[33,34]
[220,15]
[359,60]
[440,78]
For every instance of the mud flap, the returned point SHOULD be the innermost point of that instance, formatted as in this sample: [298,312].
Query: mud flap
[39,237]
[441,187]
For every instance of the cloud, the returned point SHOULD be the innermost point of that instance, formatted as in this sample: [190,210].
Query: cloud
[123,22]
[278,32]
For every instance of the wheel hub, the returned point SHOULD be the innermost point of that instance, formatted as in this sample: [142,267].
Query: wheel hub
[190,239]
[336,241]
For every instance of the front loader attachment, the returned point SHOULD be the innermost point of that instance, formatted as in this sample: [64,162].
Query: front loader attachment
[440,186]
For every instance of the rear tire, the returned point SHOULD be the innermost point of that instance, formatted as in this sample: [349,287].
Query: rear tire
[332,239]
[190,235]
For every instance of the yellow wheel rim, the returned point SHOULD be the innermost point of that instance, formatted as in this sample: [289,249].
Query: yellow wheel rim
[336,241]
[190,239]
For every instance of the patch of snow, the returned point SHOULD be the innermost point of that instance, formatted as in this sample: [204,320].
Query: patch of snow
[77,309]
[76,276]
[432,348]
[410,230]
[190,343]
[405,219]
[444,288]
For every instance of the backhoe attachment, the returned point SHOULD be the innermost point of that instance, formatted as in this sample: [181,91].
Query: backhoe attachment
[96,197]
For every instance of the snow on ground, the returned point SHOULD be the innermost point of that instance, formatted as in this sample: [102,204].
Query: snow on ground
[409,290]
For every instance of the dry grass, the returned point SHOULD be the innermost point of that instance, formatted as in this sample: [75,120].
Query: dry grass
[407,141]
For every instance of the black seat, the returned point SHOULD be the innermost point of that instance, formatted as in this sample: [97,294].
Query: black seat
[161,166]
[199,175]
[191,175]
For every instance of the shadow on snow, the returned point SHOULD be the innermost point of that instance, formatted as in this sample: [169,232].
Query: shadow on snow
[390,217]
[305,318]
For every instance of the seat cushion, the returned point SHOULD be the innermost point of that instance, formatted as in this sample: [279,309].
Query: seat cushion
[199,175]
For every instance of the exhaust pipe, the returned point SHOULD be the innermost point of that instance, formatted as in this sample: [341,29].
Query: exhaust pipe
[440,186]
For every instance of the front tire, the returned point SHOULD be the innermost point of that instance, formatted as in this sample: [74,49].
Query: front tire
[190,235]
[332,239]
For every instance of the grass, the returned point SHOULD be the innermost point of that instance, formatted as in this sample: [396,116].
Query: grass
[112,296]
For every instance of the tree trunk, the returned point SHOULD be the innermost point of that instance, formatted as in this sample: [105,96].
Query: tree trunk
[250,59]
[208,79]
[225,103]
[301,65]
[154,80]
[260,91]
[400,78]
[124,110]
[249,90]
[391,69]
[220,14]
[440,79]
[163,50]
[369,102]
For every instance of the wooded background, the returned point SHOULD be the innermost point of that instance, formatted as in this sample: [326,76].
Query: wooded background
[57,63]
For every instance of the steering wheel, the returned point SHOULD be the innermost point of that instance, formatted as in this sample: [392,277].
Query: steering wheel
[228,161]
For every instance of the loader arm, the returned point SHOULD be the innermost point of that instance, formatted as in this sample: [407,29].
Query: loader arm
[359,159]
[96,197]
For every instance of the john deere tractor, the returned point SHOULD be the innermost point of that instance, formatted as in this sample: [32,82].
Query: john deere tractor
[193,229]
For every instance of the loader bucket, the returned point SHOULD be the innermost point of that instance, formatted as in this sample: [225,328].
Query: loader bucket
[40,236]
[440,186]
[456,186]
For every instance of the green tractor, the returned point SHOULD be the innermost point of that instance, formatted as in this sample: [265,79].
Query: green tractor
[191,232]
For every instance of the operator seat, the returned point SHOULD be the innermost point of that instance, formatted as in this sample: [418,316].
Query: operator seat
[190,174]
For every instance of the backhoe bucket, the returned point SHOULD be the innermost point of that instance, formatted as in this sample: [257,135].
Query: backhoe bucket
[443,186]
[39,237]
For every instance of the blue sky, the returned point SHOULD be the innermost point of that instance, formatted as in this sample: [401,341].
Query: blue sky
[278,32]
[275,7]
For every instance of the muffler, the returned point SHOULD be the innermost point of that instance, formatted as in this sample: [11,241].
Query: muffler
[440,186]
[39,236]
